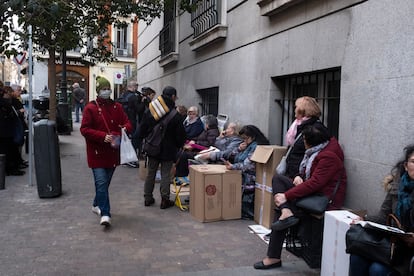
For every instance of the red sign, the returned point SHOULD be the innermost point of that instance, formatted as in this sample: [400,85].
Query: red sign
[20,58]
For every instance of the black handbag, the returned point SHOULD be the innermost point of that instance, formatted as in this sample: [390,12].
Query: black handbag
[317,203]
[374,244]
[369,243]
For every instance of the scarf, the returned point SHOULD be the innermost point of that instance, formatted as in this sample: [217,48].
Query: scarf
[293,129]
[404,203]
[310,154]
[241,156]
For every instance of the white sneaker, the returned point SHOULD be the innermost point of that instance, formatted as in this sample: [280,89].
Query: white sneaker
[106,221]
[96,210]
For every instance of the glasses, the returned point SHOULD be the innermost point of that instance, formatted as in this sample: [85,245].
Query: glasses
[191,113]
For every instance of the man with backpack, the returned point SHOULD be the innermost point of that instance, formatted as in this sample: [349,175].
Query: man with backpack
[161,120]
[133,107]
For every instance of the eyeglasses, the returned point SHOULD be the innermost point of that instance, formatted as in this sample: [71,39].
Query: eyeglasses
[191,112]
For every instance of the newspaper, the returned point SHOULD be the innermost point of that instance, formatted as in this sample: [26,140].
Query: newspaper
[382,227]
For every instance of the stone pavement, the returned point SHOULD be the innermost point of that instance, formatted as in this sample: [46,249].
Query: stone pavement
[61,236]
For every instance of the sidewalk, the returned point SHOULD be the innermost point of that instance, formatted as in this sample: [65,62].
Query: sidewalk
[61,236]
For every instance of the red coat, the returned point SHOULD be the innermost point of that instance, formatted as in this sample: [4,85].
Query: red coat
[327,168]
[93,128]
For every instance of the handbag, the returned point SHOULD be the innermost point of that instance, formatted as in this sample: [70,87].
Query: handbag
[281,167]
[317,203]
[373,244]
[127,152]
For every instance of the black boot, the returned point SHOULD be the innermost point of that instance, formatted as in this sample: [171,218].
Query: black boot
[166,203]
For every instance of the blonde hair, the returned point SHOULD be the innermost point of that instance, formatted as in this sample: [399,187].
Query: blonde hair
[308,107]
[236,127]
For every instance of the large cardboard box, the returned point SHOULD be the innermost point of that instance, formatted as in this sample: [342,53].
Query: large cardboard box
[267,158]
[215,193]
[334,259]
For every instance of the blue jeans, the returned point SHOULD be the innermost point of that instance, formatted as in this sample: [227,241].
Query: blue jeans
[78,106]
[102,178]
[360,266]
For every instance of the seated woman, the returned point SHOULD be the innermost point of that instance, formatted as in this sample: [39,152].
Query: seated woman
[399,201]
[192,124]
[205,139]
[252,137]
[320,170]
[226,143]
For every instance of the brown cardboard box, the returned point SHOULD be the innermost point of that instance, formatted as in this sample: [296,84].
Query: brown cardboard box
[215,193]
[267,158]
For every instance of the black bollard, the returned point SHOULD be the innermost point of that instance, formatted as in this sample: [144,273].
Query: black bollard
[2,171]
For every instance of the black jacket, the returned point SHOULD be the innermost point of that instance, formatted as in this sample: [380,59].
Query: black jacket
[174,135]
[298,150]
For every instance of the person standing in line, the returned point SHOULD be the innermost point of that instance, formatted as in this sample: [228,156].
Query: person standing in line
[101,126]
[173,140]
[131,102]
[79,98]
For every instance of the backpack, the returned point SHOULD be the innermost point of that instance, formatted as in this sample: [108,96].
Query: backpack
[153,140]
[124,100]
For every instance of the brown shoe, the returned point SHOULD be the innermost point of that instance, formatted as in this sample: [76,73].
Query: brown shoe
[166,203]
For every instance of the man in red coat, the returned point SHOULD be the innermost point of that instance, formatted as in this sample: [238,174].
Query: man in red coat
[101,126]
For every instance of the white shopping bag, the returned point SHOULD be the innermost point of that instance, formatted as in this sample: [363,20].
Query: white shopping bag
[128,153]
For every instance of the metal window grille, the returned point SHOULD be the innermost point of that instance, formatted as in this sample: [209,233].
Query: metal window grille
[206,16]
[167,34]
[209,101]
[324,86]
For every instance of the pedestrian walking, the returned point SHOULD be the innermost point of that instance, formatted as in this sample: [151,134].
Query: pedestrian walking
[101,126]
[79,98]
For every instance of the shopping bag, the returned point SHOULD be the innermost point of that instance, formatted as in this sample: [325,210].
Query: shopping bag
[128,153]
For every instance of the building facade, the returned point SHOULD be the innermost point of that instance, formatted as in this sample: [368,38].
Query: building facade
[251,59]
[80,70]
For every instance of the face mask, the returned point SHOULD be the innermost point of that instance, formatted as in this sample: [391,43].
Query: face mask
[105,94]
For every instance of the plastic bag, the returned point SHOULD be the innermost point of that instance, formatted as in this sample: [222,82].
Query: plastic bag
[128,153]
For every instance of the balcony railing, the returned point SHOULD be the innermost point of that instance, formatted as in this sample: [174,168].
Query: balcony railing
[122,50]
[206,16]
[167,38]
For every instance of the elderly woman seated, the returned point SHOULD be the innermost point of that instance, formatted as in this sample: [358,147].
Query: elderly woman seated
[225,144]
[192,147]
[321,169]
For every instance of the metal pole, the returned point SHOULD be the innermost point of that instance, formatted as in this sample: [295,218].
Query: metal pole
[30,138]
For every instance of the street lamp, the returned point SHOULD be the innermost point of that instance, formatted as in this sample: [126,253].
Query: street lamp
[2,60]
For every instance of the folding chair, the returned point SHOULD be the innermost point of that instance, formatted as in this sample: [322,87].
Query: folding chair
[180,187]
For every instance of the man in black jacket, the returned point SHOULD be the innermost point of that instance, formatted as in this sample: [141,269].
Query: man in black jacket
[173,139]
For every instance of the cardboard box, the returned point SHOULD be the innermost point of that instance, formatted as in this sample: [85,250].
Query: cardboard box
[334,259]
[215,193]
[267,158]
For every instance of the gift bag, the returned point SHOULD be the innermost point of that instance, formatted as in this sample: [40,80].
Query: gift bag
[128,153]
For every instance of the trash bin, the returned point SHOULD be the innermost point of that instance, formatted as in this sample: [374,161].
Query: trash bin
[47,159]
[2,171]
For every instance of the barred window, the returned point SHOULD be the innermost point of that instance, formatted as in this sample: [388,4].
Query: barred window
[209,101]
[324,86]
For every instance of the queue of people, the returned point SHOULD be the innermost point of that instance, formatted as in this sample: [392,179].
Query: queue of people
[315,165]
[12,129]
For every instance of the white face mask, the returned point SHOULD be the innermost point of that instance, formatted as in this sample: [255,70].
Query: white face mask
[105,94]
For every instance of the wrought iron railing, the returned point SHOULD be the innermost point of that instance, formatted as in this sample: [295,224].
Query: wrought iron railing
[206,16]
[122,50]
[167,38]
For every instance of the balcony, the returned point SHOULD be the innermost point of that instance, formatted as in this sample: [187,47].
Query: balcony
[271,7]
[122,50]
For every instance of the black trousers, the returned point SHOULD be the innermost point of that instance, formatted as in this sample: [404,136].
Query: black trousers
[12,153]
[280,184]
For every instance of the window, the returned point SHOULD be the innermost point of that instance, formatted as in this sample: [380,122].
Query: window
[167,34]
[324,86]
[209,101]
[208,22]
